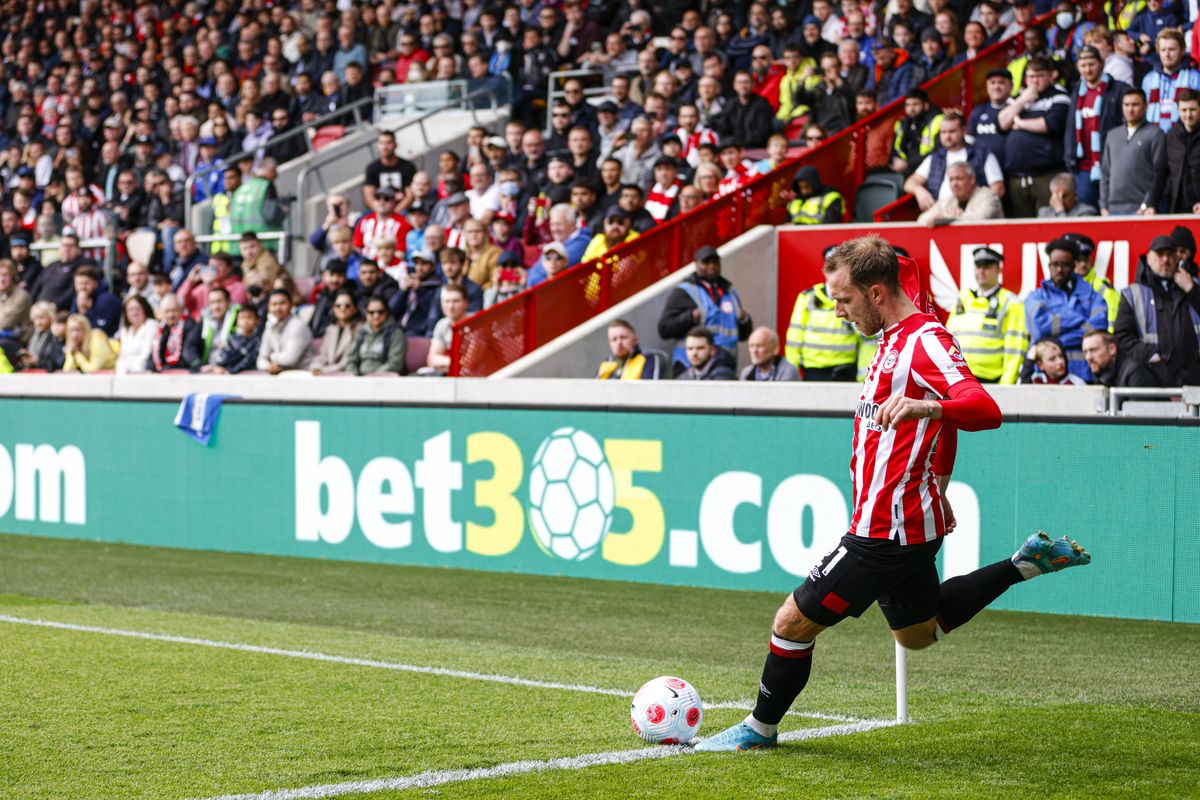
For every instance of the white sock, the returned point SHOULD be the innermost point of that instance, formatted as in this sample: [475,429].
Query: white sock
[761,728]
[1027,568]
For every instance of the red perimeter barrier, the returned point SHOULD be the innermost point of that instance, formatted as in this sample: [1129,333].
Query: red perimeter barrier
[497,336]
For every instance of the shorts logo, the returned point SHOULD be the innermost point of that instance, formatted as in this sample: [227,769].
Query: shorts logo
[834,603]
[889,361]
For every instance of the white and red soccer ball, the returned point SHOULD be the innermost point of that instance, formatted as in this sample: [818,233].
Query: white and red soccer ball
[667,710]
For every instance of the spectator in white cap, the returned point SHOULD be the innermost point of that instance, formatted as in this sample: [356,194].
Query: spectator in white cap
[552,262]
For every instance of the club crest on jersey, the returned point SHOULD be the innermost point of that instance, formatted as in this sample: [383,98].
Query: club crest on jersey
[889,361]
[726,307]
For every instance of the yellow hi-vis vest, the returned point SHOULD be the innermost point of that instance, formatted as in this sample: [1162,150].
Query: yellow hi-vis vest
[1105,289]
[868,346]
[929,137]
[815,336]
[632,371]
[1124,16]
[222,223]
[992,334]
[811,211]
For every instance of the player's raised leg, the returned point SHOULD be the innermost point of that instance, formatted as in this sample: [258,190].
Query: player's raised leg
[966,595]
[784,676]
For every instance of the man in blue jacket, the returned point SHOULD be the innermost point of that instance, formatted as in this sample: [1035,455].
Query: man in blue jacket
[1065,307]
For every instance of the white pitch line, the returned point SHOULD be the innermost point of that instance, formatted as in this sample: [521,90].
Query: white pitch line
[424,780]
[444,672]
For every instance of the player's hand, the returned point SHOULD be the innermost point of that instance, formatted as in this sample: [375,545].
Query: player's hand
[897,409]
[948,514]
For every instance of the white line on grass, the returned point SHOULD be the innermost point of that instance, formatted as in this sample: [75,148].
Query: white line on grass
[424,780]
[444,672]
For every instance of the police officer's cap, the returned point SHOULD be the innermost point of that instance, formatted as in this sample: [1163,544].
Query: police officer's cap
[1084,243]
[986,255]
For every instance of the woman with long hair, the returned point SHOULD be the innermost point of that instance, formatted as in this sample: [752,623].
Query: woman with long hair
[87,349]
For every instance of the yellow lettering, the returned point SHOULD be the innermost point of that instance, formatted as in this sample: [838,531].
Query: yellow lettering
[644,539]
[496,493]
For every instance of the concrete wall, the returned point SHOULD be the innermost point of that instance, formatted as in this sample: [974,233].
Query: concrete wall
[720,397]
[748,261]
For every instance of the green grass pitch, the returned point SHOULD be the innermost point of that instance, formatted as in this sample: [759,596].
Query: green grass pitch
[1014,705]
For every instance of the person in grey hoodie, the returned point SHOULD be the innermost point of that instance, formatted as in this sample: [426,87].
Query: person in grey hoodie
[1132,170]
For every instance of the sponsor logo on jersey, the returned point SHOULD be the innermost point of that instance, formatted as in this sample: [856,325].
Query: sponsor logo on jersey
[956,354]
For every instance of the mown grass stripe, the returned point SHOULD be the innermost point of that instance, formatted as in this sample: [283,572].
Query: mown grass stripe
[445,672]
[425,780]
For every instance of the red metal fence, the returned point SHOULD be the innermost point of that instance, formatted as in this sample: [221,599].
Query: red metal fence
[497,336]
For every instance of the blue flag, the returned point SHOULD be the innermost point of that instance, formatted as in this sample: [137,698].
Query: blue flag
[198,413]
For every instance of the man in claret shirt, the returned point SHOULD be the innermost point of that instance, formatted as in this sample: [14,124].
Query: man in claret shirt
[918,390]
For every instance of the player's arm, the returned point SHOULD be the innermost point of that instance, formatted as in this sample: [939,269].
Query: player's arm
[967,406]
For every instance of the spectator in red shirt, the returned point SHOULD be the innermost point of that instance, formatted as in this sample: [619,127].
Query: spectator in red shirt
[766,76]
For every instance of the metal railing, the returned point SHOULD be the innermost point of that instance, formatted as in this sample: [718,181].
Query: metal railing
[283,237]
[466,101]
[333,118]
[1151,402]
[109,243]
[557,78]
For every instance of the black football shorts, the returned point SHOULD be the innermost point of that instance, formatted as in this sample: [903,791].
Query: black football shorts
[903,578]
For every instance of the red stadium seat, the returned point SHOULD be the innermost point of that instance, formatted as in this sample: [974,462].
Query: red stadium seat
[417,354]
[327,135]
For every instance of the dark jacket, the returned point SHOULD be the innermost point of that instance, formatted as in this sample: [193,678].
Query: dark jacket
[716,369]
[57,282]
[386,288]
[1110,117]
[413,309]
[1126,372]
[48,349]
[240,353]
[1183,169]
[1178,350]
[105,312]
[192,354]
[832,109]
[750,123]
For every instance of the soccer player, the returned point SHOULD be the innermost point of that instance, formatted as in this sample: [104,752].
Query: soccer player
[917,393]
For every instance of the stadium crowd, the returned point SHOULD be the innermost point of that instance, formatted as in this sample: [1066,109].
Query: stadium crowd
[109,108]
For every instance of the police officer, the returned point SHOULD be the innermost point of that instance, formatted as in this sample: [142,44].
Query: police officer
[989,323]
[815,203]
[819,344]
[1085,265]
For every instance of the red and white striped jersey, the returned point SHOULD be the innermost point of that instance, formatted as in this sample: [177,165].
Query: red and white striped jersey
[895,492]
[70,203]
[659,200]
[456,237]
[736,177]
[90,226]
[371,228]
[692,141]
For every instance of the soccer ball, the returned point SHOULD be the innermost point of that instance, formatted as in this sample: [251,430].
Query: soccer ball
[570,495]
[667,710]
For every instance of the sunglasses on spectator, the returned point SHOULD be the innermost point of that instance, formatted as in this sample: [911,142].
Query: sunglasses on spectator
[814,137]
[374,312]
[552,256]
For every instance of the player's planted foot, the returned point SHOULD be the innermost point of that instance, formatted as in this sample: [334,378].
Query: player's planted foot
[739,737]
[1041,554]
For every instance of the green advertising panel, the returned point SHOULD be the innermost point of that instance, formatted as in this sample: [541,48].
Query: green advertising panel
[729,501]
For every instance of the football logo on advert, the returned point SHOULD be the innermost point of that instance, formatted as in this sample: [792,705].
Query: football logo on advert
[889,361]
